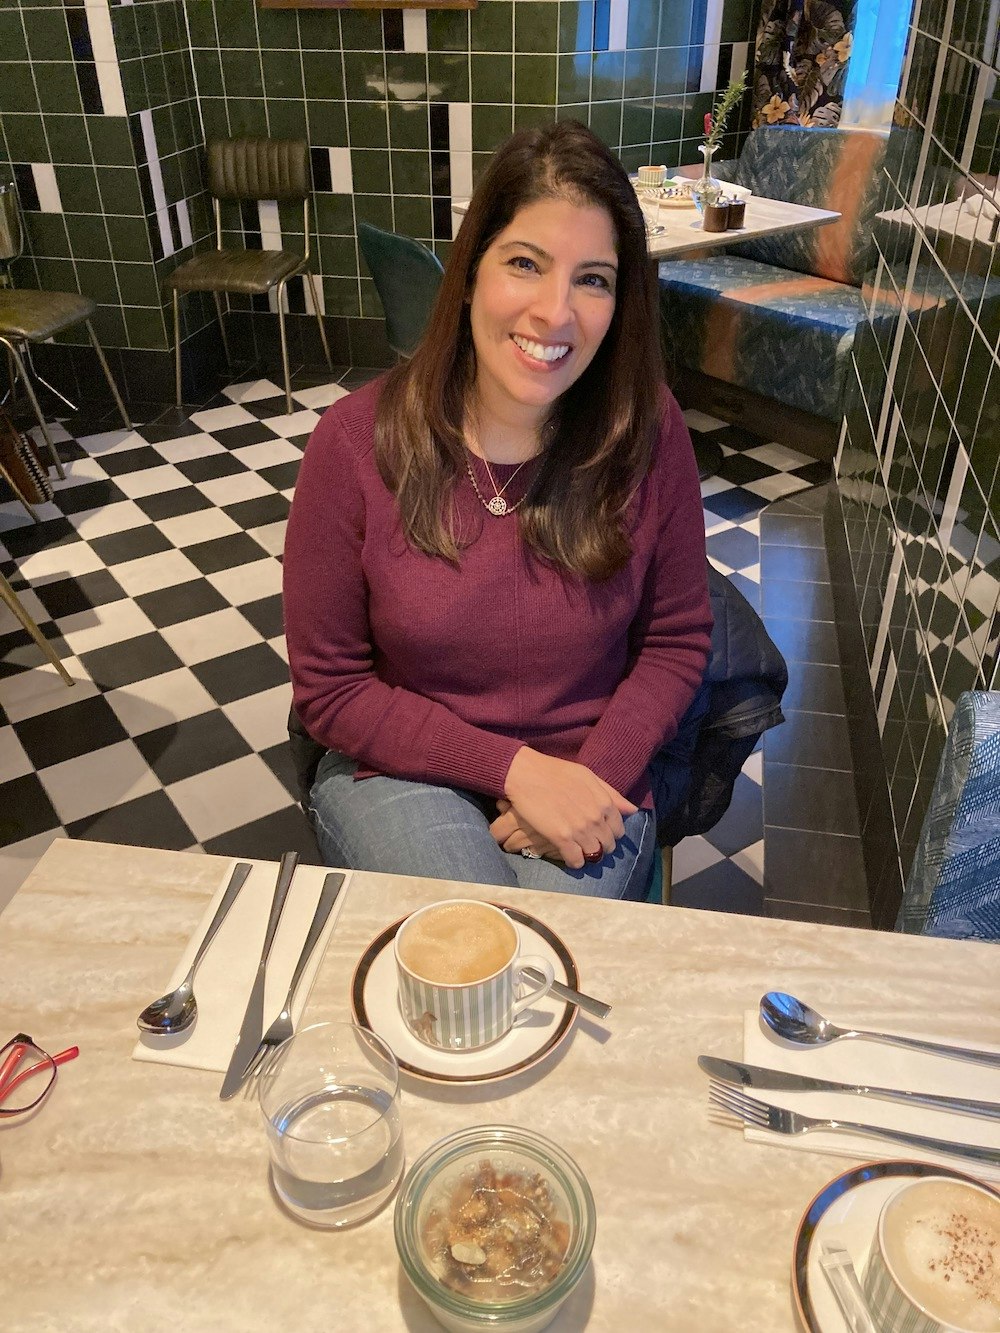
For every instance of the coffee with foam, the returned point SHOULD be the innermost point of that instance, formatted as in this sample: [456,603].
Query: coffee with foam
[453,944]
[941,1241]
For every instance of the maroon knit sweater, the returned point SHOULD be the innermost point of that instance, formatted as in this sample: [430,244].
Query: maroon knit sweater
[421,670]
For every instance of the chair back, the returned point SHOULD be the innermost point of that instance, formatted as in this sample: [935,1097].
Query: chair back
[407,277]
[258,168]
[11,235]
[834,169]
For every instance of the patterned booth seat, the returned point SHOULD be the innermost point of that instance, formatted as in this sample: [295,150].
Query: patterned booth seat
[778,315]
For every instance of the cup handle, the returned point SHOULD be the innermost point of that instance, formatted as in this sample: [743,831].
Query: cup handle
[538,989]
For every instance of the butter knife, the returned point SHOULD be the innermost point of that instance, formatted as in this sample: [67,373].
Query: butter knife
[252,1026]
[753,1076]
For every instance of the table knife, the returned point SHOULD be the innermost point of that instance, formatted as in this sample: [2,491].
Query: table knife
[753,1076]
[252,1027]
[563,992]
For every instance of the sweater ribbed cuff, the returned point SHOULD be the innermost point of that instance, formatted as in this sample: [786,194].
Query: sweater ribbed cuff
[617,752]
[461,755]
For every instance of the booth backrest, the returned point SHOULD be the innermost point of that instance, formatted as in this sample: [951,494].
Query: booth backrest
[821,168]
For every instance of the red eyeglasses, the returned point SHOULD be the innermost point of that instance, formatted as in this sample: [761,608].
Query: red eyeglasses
[27,1074]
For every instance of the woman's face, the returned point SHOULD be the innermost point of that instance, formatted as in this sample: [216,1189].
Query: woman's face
[543,299]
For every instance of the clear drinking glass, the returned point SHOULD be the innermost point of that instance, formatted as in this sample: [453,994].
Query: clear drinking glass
[330,1101]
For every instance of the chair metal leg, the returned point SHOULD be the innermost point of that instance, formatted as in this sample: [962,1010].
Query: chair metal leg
[108,375]
[8,595]
[57,461]
[42,380]
[222,329]
[177,345]
[284,345]
[18,492]
[311,279]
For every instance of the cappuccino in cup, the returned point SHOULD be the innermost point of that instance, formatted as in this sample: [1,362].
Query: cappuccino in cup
[459,971]
[935,1263]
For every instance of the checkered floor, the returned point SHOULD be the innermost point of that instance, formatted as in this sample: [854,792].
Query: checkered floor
[156,574]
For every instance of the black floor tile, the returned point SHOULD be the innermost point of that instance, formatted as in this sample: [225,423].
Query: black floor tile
[249,671]
[809,798]
[279,760]
[210,467]
[172,424]
[268,838]
[147,821]
[171,504]
[815,686]
[275,406]
[793,562]
[821,869]
[721,888]
[740,469]
[266,615]
[258,511]
[249,432]
[82,592]
[132,544]
[223,552]
[24,541]
[130,460]
[804,640]
[182,749]
[77,728]
[134,659]
[89,495]
[798,598]
[184,601]
[736,504]
[743,823]
[282,476]
[817,740]
[25,810]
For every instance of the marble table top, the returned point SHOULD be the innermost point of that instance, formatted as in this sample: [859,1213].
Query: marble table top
[135,1201]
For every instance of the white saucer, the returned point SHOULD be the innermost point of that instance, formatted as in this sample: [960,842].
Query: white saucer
[846,1211]
[535,1035]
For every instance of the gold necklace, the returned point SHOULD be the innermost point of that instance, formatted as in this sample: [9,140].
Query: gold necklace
[498,506]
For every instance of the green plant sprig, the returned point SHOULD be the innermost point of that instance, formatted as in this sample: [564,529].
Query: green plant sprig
[724,108]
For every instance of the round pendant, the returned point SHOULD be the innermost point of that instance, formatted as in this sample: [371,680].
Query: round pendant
[497,506]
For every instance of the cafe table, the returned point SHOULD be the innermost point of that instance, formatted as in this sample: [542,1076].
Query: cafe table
[134,1200]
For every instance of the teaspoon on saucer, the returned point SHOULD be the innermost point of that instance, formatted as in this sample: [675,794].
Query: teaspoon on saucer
[795,1021]
[178,1009]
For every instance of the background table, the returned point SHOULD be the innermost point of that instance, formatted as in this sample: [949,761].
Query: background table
[135,1201]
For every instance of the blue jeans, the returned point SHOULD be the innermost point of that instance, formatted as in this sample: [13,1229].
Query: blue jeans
[413,828]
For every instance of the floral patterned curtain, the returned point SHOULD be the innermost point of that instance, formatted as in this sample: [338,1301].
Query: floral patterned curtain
[802,51]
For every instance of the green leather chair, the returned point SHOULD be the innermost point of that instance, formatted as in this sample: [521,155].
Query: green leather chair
[407,277]
[250,169]
[30,316]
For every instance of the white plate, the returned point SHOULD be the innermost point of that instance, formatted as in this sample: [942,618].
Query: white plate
[535,1035]
[846,1211]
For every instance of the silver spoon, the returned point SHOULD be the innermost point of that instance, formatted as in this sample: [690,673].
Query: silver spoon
[178,1009]
[795,1021]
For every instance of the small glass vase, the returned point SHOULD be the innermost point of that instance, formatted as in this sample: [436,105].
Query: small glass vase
[706,189]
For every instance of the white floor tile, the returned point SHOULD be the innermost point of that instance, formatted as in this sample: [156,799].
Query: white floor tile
[715,486]
[151,481]
[777,455]
[251,389]
[233,794]
[201,526]
[751,860]
[220,418]
[701,420]
[271,536]
[294,423]
[11,624]
[269,453]
[97,781]
[321,396]
[280,646]
[14,763]
[111,442]
[78,471]
[248,583]
[774,487]
[19,859]
[43,690]
[149,572]
[261,719]
[692,855]
[754,767]
[170,697]
[121,516]
[104,625]
[59,562]
[188,447]
[231,490]
[210,636]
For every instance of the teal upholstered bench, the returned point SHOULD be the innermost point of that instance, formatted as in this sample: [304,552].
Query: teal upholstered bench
[777,316]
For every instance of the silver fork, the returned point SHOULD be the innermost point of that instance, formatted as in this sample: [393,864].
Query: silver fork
[782,1121]
[281,1029]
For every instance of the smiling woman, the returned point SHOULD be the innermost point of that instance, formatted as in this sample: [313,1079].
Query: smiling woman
[495,583]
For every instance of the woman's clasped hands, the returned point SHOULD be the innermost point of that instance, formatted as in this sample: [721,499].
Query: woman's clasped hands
[559,809]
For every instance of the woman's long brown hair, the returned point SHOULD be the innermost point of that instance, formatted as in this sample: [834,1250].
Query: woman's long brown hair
[600,431]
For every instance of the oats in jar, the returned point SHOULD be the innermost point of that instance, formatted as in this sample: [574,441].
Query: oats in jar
[496,1234]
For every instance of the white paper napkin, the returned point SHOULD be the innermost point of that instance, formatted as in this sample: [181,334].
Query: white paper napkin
[223,982]
[878,1065]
